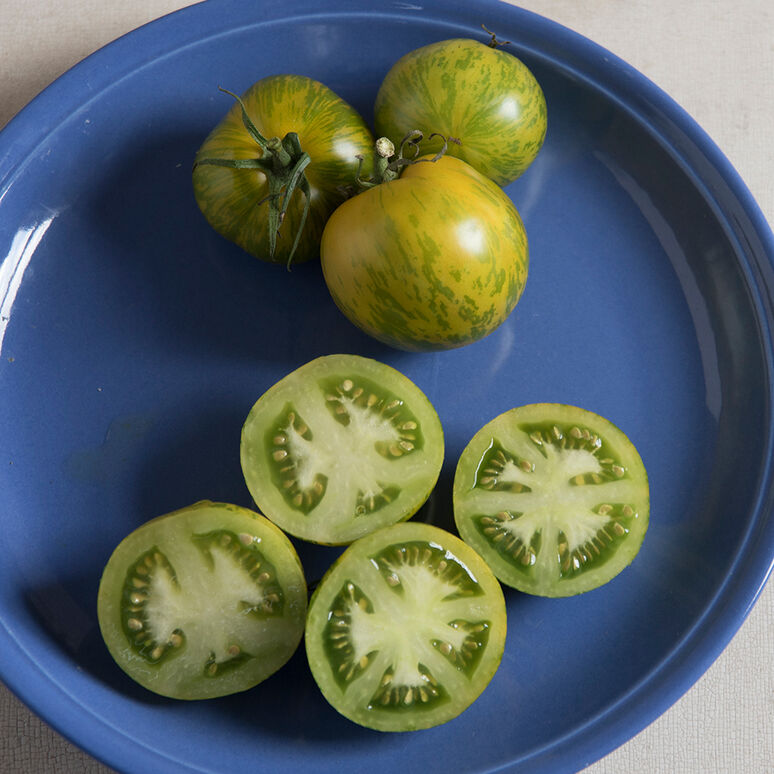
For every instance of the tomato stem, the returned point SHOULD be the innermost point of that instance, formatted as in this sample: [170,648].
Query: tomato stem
[388,164]
[283,162]
[280,157]
[494,42]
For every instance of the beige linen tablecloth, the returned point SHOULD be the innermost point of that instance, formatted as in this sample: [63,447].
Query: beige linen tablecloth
[716,59]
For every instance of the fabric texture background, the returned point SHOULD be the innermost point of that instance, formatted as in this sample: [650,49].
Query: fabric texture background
[716,59]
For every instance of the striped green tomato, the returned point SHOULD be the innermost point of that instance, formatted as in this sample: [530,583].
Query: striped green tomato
[234,200]
[434,259]
[481,95]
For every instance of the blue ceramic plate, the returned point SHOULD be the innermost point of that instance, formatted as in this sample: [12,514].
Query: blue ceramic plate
[134,341]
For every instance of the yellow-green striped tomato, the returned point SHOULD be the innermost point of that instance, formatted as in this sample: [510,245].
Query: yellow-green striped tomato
[433,260]
[329,130]
[481,95]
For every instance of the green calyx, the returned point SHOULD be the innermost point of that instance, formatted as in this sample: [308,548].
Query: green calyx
[388,163]
[283,161]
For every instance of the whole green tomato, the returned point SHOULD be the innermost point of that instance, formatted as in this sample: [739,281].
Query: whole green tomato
[281,160]
[432,260]
[484,97]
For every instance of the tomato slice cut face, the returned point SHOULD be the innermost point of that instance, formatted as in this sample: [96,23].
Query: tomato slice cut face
[406,629]
[203,602]
[554,497]
[340,447]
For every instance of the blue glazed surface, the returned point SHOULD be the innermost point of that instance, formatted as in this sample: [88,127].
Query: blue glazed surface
[133,341]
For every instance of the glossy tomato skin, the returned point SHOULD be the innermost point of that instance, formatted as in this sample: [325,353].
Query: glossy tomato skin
[485,97]
[329,130]
[434,260]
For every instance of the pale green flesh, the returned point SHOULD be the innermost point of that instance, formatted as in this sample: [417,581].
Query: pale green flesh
[553,507]
[401,643]
[202,602]
[329,482]
[400,635]
[560,514]
[413,634]
[347,455]
[209,604]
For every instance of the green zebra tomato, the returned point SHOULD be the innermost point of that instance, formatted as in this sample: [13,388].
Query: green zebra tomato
[340,447]
[555,498]
[406,629]
[482,96]
[434,259]
[235,200]
[203,602]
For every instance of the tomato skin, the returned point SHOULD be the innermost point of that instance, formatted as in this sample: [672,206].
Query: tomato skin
[434,260]
[483,96]
[329,130]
